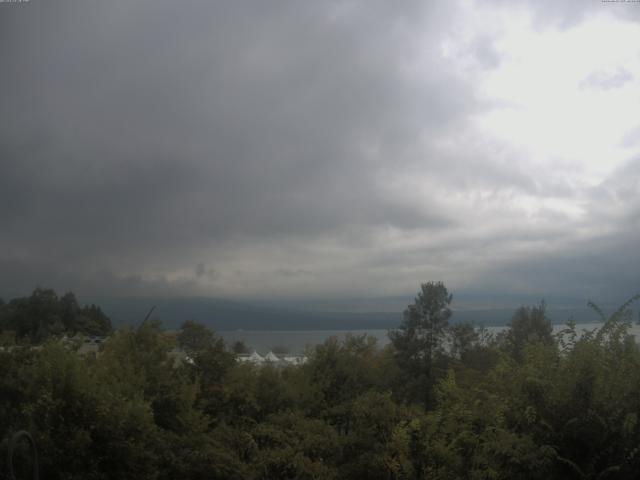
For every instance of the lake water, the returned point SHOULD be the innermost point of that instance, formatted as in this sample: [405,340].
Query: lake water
[297,340]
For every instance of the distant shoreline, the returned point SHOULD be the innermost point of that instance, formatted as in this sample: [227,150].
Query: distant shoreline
[296,341]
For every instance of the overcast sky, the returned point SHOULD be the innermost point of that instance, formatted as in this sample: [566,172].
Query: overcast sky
[320,149]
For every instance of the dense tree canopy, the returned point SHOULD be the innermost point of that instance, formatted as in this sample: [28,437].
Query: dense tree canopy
[524,405]
[42,315]
[528,325]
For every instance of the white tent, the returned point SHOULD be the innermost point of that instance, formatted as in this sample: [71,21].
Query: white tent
[295,359]
[271,357]
[256,358]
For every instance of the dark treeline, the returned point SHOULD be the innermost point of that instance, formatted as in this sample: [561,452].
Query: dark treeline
[43,315]
[441,401]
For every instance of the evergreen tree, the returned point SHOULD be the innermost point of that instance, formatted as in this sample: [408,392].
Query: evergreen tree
[419,339]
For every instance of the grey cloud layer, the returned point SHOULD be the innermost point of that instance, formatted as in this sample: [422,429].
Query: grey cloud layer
[151,145]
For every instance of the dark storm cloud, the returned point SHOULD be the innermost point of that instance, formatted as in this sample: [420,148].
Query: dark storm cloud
[196,147]
[603,266]
[139,131]
[599,270]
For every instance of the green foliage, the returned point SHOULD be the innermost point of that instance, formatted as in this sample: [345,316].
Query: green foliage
[290,446]
[528,325]
[195,337]
[419,340]
[340,370]
[43,315]
[524,405]
[83,427]
[91,320]
[463,339]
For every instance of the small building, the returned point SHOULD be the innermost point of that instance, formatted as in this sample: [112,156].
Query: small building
[271,359]
[254,358]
